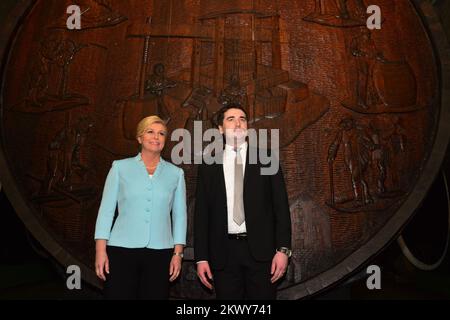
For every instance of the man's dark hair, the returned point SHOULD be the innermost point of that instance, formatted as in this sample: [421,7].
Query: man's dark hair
[220,115]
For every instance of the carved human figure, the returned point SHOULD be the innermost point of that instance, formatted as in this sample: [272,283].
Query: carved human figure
[53,162]
[357,148]
[39,82]
[81,131]
[391,139]
[61,53]
[64,154]
[380,156]
[234,94]
[363,48]
[157,84]
[398,141]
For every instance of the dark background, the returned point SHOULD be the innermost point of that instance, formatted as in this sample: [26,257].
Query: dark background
[27,271]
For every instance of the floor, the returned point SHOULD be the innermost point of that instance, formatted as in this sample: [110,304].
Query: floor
[24,274]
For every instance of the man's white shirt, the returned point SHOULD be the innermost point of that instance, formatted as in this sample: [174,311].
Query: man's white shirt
[229,158]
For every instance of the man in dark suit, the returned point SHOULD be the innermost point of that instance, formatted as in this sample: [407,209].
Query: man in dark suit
[242,225]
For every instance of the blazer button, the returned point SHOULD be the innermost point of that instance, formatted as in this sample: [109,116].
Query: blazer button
[149,200]
[148,210]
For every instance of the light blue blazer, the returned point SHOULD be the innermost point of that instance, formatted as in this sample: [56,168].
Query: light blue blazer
[144,206]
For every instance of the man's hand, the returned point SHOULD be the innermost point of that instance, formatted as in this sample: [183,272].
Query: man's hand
[204,273]
[279,266]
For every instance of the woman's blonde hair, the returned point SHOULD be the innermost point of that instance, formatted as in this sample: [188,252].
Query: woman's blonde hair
[147,122]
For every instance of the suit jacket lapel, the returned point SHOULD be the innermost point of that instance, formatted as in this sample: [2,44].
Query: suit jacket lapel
[222,193]
[220,179]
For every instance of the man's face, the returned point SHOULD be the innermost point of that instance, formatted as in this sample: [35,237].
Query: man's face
[234,126]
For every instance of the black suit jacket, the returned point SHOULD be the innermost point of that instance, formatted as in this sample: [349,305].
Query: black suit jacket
[267,215]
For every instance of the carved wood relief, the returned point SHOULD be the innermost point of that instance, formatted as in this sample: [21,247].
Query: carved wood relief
[356,109]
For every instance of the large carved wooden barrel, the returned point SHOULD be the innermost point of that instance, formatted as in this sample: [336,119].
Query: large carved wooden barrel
[363,114]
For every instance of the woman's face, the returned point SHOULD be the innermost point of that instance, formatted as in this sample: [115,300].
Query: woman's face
[153,138]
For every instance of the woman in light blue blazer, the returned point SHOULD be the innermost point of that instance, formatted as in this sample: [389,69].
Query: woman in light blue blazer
[141,251]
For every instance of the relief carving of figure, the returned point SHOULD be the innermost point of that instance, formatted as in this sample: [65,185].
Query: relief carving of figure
[392,140]
[234,94]
[357,148]
[157,84]
[363,48]
[64,155]
[39,82]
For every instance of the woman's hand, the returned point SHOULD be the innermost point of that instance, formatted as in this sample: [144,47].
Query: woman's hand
[175,263]
[175,267]
[101,259]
